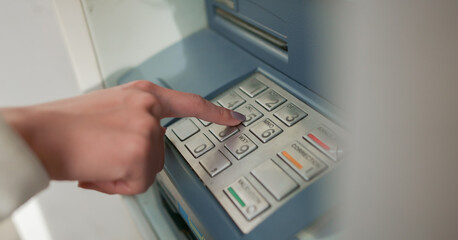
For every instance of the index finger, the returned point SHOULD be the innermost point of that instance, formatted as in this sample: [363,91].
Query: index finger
[174,103]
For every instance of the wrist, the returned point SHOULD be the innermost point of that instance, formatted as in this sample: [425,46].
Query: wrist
[25,121]
[19,119]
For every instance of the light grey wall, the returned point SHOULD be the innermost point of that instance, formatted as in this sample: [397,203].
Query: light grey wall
[35,67]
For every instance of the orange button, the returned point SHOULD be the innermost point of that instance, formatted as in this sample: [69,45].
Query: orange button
[292,160]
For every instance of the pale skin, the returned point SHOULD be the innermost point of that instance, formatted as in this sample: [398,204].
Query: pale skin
[109,140]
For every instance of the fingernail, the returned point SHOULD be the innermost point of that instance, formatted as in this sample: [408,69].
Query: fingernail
[238,116]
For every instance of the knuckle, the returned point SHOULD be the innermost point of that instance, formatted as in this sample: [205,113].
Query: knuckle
[144,100]
[143,85]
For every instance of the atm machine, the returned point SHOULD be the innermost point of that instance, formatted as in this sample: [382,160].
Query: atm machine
[272,176]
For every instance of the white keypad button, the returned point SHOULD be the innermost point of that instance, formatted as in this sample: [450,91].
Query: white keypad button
[326,141]
[302,161]
[240,146]
[231,100]
[270,100]
[205,123]
[199,145]
[253,86]
[290,114]
[184,129]
[266,130]
[215,163]
[246,198]
[251,114]
[222,132]
[274,179]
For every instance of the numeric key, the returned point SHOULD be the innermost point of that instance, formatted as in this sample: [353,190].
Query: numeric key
[251,114]
[199,145]
[270,100]
[266,130]
[231,100]
[222,132]
[240,146]
[252,86]
[290,114]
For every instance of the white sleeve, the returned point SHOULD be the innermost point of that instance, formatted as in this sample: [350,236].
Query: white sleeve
[22,175]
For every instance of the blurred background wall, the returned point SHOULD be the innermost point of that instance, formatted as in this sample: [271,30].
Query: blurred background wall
[47,52]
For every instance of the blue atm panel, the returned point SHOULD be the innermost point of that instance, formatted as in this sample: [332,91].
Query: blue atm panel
[272,175]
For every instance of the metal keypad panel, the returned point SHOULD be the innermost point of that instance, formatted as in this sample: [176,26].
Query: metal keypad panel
[270,100]
[252,86]
[251,114]
[222,132]
[199,145]
[266,130]
[240,146]
[254,168]
[246,198]
[290,114]
[231,100]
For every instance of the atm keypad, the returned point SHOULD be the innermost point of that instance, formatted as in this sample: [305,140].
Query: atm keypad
[302,161]
[326,141]
[253,86]
[240,146]
[222,132]
[272,177]
[205,123]
[251,114]
[290,114]
[199,145]
[185,129]
[270,100]
[215,164]
[254,168]
[231,100]
[246,198]
[266,130]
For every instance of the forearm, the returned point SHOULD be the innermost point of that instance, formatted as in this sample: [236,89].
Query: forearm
[21,173]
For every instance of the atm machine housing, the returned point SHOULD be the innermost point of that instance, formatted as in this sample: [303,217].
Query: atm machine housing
[265,39]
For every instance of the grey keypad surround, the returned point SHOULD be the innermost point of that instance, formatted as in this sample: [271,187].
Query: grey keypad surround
[217,176]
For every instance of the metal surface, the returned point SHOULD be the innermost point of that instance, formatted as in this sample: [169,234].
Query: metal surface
[270,100]
[251,114]
[231,100]
[253,30]
[246,198]
[205,123]
[290,114]
[326,141]
[252,86]
[199,145]
[240,146]
[215,164]
[243,167]
[275,180]
[302,161]
[185,129]
[266,130]
[222,132]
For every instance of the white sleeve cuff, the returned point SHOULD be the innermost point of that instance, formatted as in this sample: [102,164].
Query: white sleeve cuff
[22,174]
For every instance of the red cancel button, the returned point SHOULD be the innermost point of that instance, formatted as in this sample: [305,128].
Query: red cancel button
[326,141]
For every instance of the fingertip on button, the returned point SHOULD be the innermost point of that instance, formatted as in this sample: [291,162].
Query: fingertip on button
[238,116]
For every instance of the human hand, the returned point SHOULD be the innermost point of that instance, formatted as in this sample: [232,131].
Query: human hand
[109,140]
